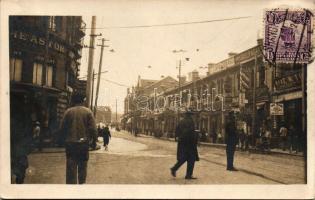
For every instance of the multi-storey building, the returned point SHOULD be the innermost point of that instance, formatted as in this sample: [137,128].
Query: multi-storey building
[104,114]
[136,114]
[45,54]
[244,83]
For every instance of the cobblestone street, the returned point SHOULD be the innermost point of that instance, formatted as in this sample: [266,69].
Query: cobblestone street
[147,160]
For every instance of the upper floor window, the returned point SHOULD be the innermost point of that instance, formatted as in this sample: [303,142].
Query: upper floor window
[49,76]
[15,69]
[52,23]
[37,73]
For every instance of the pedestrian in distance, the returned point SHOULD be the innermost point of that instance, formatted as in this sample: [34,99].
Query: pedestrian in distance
[37,135]
[230,140]
[293,137]
[267,140]
[214,136]
[186,146]
[106,137]
[283,136]
[79,127]
[242,139]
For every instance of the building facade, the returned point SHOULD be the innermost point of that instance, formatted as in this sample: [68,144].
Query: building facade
[45,54]
[243,83]
[104,114]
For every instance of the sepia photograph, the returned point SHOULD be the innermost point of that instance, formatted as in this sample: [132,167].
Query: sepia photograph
[145,94]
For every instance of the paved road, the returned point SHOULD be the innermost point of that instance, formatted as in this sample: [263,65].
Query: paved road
[146,160]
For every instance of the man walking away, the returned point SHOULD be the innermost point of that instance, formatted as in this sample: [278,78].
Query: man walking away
[187,146]
[231,140]
[79,127]
[106,137]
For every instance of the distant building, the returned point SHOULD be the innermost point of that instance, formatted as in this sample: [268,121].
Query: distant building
[131,118]
[104,114]
[193,76]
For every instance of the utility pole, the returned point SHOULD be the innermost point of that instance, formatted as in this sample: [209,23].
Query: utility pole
[92,96]
[90,62]
[116,113]
[179,77]
[99,73]
[43,124]
[254,98]
[179,74]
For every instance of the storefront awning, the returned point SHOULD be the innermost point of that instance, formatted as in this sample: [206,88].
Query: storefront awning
[260,105]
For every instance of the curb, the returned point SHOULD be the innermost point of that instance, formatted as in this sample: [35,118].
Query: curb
[222,146]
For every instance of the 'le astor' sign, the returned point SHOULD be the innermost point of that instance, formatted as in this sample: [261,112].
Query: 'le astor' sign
[37,40]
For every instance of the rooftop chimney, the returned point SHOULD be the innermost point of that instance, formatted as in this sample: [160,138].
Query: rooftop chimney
[231,54]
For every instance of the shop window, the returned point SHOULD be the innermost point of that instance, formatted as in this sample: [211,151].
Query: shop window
[49,76]
[260,76]
[37,73]
[15,69]
[285,69]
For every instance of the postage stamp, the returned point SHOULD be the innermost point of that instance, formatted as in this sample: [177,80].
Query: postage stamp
[288,35]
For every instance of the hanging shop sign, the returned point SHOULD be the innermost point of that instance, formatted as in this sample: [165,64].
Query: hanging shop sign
[276,109]
[37,40]
[242,99]
[291,81]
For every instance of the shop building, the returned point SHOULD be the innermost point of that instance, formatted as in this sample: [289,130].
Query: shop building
[45,53]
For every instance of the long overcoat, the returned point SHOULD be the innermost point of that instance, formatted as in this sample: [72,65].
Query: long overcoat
[187,140]
[106,135]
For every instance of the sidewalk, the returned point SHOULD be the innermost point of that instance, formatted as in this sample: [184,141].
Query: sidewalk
[57,149]
[216,145]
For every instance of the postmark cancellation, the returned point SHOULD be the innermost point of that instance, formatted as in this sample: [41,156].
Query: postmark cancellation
[288,35]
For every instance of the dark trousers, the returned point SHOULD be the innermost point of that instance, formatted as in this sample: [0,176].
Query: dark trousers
[190,166]
[77,157]
[230,149]
[105,141]
[19,166]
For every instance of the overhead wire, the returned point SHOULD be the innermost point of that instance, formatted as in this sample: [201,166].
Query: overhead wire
[170,24]
[116,83]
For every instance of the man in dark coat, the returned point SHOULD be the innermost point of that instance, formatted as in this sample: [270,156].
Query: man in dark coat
[106,136]
[231,140]
[186,147]
[78,126]
[21,141]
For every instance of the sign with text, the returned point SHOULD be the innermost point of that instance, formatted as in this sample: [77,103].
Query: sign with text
[276,109]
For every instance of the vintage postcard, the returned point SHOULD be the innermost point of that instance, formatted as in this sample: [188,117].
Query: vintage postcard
[157,99]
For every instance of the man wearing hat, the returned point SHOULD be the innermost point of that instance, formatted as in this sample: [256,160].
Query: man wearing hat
[187,146]
[79,128]
[230,140]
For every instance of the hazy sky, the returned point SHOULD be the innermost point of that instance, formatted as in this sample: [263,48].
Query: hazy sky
[137,48]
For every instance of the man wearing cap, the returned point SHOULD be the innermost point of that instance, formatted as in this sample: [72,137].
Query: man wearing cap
[79,128]
[187,146]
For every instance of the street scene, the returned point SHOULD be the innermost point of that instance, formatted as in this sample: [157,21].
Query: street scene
[159,95]
[146,160]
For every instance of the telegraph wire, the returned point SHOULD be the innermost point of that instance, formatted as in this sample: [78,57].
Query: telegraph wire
[116,83]
[171,24]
